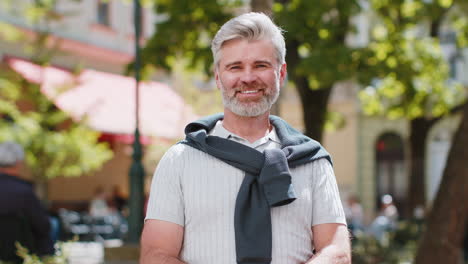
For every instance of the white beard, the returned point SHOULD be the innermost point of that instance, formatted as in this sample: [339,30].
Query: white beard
[249,108]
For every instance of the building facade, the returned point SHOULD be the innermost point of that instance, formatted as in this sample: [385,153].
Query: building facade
[370,153]
[97,37]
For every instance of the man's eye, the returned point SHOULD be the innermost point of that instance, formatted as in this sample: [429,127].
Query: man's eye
[234,67]
[261,65]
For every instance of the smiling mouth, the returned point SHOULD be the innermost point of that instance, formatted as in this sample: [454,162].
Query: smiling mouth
[249,91]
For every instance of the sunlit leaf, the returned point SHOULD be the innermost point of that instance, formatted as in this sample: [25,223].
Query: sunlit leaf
[379,32]
[409,8]
[314,83]
[445,3]
[52,148]
[10,33]
[324,33]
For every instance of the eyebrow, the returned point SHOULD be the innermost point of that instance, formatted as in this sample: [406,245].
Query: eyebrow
[232,63]
[239,62]
[263,61]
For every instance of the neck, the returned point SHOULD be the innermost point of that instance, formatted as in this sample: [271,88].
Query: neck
[250,128]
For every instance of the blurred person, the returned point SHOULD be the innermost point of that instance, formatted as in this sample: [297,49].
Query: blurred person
[244,186]
[118,199]
[98,206]
[354,214]
[389,209]
[386,220]
[22,217]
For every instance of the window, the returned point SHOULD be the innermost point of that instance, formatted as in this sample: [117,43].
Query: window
[390,170]
[448,42]
[103,13]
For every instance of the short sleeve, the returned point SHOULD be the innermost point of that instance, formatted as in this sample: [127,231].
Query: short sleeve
[326,202]
[166,197]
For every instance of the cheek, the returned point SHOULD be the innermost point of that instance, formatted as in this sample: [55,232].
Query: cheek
[224,87]
[271,77]
[228,81]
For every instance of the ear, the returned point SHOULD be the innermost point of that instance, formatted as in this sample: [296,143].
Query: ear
[283,72]
[216,74]
[218,81]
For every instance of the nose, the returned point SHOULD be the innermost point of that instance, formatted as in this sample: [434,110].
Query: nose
[248,76]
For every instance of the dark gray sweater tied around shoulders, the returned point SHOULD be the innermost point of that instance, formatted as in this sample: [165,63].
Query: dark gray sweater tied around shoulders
[267,181]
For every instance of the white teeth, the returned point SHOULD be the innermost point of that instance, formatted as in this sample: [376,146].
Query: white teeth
[249,92]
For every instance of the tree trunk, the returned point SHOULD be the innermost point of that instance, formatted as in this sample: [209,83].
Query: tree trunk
[447,221]
[314,102]
[314,105]
[419,129]
[263,6]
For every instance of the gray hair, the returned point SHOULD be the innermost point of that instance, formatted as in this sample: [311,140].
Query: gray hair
[250,26]
[10,154]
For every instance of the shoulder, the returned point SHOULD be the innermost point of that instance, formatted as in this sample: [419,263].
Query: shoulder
[322,163]
[318,170]
[14,183]
[179,154]
[179,151]
[323,167]
[319,164]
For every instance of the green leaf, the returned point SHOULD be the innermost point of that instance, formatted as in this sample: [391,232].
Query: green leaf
[54,145]
[445,3]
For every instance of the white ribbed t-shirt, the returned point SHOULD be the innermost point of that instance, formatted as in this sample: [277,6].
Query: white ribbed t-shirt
[197,191]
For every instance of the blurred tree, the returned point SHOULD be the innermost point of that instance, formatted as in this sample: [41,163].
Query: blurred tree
[264,6]
[410,77]
[447,222]
[318,55]
[315,32]
[184,29]
[55,145]
[197,92]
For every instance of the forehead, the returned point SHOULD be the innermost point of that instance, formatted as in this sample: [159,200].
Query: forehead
[247,51]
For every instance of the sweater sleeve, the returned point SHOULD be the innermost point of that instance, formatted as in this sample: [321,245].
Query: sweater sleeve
[166,196]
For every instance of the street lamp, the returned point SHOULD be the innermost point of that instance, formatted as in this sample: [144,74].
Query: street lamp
[137,174]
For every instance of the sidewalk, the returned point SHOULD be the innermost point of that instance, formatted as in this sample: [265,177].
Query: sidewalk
[96,253]
[84,252]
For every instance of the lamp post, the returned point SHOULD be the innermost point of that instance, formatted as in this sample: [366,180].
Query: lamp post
[137,174]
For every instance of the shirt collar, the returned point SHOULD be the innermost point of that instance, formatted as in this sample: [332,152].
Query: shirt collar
[220,131]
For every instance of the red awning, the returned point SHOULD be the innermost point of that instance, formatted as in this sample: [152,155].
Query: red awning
[106,102]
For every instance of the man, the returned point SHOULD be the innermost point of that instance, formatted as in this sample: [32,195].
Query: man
[22,217]
[245,187]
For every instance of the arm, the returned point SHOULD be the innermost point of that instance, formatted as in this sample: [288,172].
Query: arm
[161,242]
[163,232]
[332,244]
[40,225]
[329,232]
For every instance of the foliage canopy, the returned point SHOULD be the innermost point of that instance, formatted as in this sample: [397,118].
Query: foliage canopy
[55,145]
